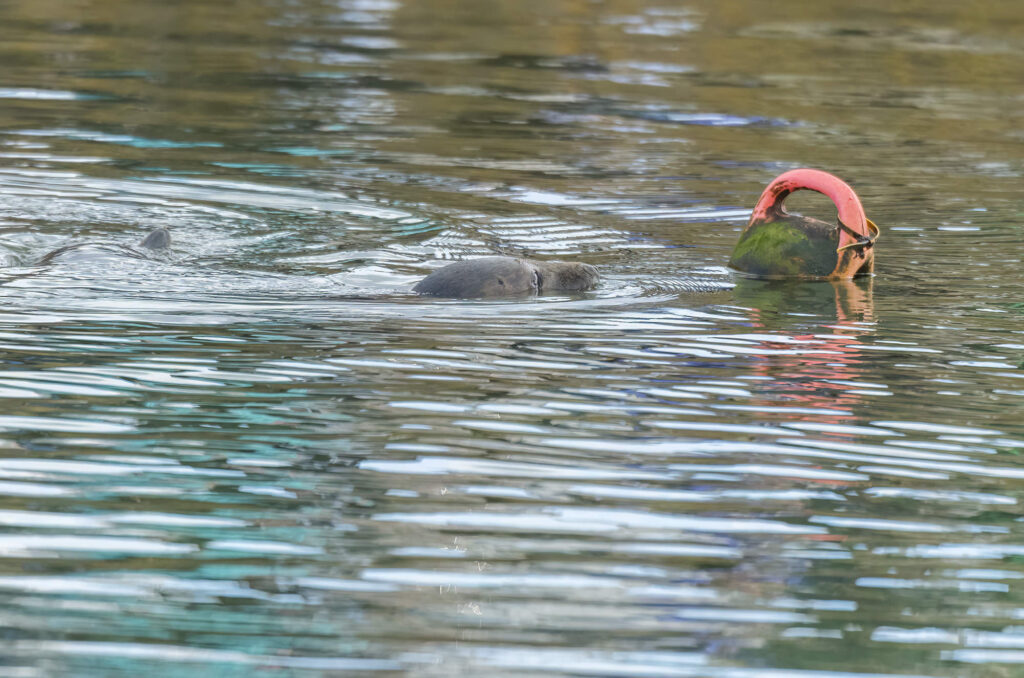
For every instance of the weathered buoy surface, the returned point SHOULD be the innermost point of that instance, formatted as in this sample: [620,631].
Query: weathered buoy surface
[777,244]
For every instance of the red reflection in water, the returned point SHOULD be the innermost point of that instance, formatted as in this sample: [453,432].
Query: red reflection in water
[817,379]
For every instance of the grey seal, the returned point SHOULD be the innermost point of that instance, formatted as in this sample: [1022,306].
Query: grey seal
[506,277]
[158,239]
[96,253]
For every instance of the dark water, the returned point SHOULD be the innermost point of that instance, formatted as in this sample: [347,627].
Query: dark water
[260,455]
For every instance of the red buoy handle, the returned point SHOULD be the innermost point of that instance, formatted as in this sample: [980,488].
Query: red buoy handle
[851,212]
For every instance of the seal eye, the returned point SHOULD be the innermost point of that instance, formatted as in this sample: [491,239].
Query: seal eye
[501,282]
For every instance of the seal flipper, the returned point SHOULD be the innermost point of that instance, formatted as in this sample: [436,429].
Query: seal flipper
[159,239]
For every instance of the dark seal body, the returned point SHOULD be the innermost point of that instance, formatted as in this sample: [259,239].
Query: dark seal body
[506,277]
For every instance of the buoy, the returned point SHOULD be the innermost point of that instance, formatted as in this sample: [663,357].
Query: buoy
[776,244]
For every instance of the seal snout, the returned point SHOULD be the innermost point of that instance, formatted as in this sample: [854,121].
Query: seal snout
[566,275]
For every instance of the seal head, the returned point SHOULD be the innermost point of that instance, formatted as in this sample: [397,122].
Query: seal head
[492,277]
[158,239]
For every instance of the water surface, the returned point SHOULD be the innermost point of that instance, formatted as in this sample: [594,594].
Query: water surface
[260,452]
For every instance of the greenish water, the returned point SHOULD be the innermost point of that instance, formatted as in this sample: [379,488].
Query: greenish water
[259,454]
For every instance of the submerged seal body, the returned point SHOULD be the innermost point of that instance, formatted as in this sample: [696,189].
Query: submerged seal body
[506,277]
[98,253]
